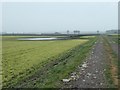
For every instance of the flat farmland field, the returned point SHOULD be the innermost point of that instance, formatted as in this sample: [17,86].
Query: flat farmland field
[21,59]
[116,38]
[87,37]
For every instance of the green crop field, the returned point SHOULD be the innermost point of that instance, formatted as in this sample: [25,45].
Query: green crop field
[115,37]
[21,59]
[87,37]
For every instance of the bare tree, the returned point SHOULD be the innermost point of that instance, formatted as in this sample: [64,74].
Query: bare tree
[68,32]
[74,32]
[78,32]
[98,32]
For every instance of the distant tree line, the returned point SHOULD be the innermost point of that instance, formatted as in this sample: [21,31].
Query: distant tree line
[75,32]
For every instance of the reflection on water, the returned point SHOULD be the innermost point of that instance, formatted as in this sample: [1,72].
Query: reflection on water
[38,38]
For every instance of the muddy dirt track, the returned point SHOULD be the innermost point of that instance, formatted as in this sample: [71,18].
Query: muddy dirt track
[91,73]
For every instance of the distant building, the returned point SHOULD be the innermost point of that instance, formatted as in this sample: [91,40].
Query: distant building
[113,32]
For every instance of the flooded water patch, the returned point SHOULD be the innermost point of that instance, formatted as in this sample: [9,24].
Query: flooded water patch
[36,39]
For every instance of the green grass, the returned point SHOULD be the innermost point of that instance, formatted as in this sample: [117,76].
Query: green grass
[115,38]
[0,62]
[87,37]
[68,62]
[22,58]
[7,38]
[64,69]
[112,61]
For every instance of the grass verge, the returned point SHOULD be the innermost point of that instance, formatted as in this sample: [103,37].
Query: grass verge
[112,66]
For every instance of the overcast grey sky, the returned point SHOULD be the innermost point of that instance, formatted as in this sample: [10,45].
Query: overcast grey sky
[48,17]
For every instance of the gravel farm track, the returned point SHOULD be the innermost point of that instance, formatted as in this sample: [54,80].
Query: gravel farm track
[91,74]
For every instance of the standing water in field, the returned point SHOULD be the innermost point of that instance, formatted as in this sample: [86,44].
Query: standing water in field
[39,38]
